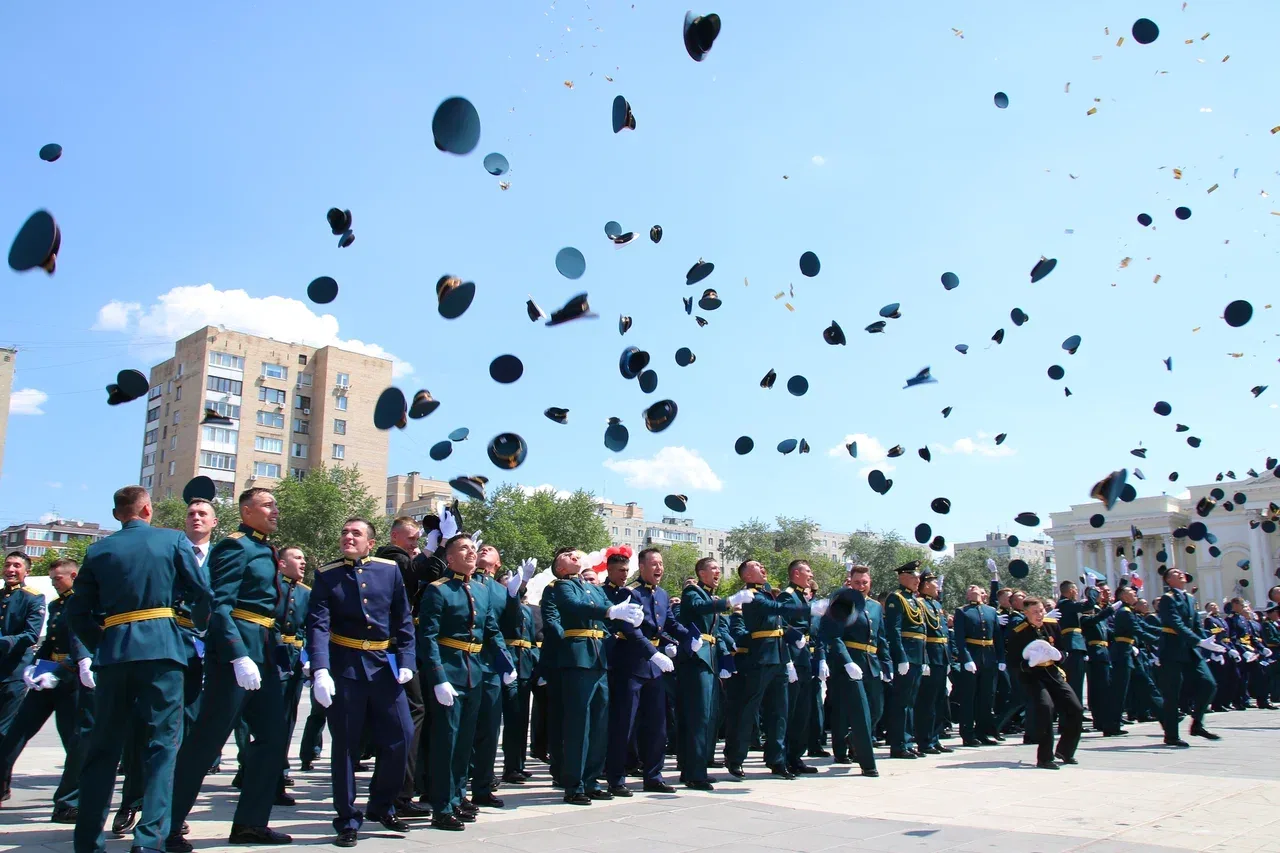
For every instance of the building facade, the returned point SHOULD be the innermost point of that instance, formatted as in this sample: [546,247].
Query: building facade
[415,495]
[8,361]
[1027,550]
[1079,544]
[36,538]
[291,407]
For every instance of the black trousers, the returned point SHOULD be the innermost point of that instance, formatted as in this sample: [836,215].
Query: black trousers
[1047,692]
[417,713]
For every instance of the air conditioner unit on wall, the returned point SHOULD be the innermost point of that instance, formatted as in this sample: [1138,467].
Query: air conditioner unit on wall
[306,411]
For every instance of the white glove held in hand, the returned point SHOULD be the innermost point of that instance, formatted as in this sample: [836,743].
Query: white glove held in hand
[247,675]
[1233,654]
[404,676]
[904,668]
[627,612]
[663,662]
[818,607]
[47,681]
[28,677]
[802,642]
[86,673]
[448,525]
[724,673]
[741,597]
[824,671]
[924,669]
[432,542]
[695,644]
[445,694]
[970,666]
[886,676]
[323,688]
[513,584]
[792,677]
[1003,618]
[670,650]
[510,677]
[992,570]
[854,671]
[529,568]
[1211,645]
[1053,614]
[306,669]
[1001,667]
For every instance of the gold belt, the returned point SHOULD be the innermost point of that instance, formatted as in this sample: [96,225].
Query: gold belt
[912,635]
[584,633]
[980,642]
[519,644]
[256,618]
[460,645]
[938,641]
[1098,643]
[708,638]
[1070,630]
[1170,630]
[360,645]
[1128,640]
[862,647]
[741,651]
[57,658]
[139,616]
[766,635]
[1216,630]
[185,622]
[293,640]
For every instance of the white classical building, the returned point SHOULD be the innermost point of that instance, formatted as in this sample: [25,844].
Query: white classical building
[1077,543]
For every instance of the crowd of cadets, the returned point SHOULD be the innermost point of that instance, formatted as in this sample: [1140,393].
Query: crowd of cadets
[425,655]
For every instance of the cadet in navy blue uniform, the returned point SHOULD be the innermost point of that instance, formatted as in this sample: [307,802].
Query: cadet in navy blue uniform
[54,693]
[1180,639]
[291,617]
[980,648]
[122,610]
[21,616]
[241,678]
[805,658]
[516,623]
[360,630]
[643,655]
[1220,667]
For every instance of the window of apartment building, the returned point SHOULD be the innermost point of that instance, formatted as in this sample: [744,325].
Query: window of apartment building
[304,380]
[339,451]
[225,386]
[298,473]
[177,418]
[343,380]
[173,442]
[615,531]
[162,454]
[271,395]
[223,359]
[274,371]
[150,436]
[301,402]
[628,533]
[37,550]
[267,469]
[146,482]
[227,410]
[268,445]
[169,388]
[339,427]
[271,419]
[177,395]
[173,466]
[180,366]
[166,410]
[156,391]
[301,427]
[221,435]
[39,535]
[302,359]
[148,459]
[221,461]
[153,415]
[299,451]
[341,404]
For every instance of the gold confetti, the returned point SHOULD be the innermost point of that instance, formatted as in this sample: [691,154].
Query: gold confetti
[789,306]
[1236,354]
[1212,188]
[1119,41]
[1225,58]
[1189,41]
[1156,280]
[1067,88]
[1091,111]
[1196,329]
[779,294]
[504,185]
[958,33]
[1203,37]
[568,84]
[1124,262]
[1275,213]
[1177,174]
[1275,130]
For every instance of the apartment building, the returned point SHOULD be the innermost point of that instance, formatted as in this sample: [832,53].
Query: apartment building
[36,538]
[415,495]
[1028,550]
[288,406]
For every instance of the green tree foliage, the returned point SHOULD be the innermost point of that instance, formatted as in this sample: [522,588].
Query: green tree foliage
[171,512]
[314,508]
[884,553]
[970,567]
[73,550]
[774,547]
[521,525]
[678,561]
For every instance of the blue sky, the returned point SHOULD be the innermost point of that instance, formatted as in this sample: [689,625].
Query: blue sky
[203,146]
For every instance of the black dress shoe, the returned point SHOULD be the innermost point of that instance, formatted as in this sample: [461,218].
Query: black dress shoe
[1201,731]
[1176,741]
[359,767]
[1046,765]
[526,774]
[466,817]
[971,741]
[447,821]
[466,806]
[931,750]
[658,788]
[346,838]
[177,844]
[635,770]
[782,771]
[716,763]
[288,781]
[513,778]
[1064,759]
[620,790]
[819,753]
[257,835]
[802,769]
[577,799]
[871,773]
[408,808]
[944,748]
[488,801]
[901,753]
[735,770]
[842,759]
[237,779]
[391,822]
[306,768]
[599,794]
[999,738]
[67,814]
[185,830]
[699,785]
[283,799]
[987,740]
[1115,733]
[124,821]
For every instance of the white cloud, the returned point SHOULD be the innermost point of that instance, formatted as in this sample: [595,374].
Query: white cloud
[984,445]
[559,494]
[115,316]
[49,517]
[185,309]
[27,402]
[817,159]
[870,453]
[670,468]
[54,484]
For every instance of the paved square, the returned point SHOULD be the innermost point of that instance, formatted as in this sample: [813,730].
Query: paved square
[1129,794]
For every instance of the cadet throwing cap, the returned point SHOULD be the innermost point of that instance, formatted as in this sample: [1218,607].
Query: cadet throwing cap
[950,280]
[941,506]
[624,323]
[322,290]
[199,488]
[1163,409]
[1043,267]
[998,337]
[1001,100]
[1013,541]
[809,264]
[655,233]
[506,369]
[1182,213]
[616,436]
[743,445]
[555,413]
[632,361]
[456,126]
[472,487]
[507,450]
[891,312]
[769,379]
[36,244]
[390,410]
[1018,568]
[496,164]
[454,296]
[576,308]
[1144,219]
[923,532]
[612,229]
[698,271]
[51,152]
[339,221]
[132,383]
[1018,316]
[699,34]
[1097,520]
[938,543]
[570,263]
[787,445]
[346,239]
[1056,372]
[459,434]
[1027,519]
[710,300]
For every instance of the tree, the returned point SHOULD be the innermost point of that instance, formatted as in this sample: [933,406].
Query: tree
[171,512]
[535,525]
[73,550]
[314,508]
[678,562]
[970,567]
[884,553]
[774,547]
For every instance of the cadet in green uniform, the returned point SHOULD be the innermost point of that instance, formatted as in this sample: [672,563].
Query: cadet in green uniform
[21,617]
[933,673]
[1181,638]
[456,622]
[516,623]
[905,633]
[979,647]
[484,752]
[805,656]
[706,615]
[291,620]
[122,610]
[574,613]
[241,678]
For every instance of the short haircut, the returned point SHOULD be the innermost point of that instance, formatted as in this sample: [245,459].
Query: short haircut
[617,560]
[859,570]
[298,548]
[457,538]
[1064,586]
[743,566]
[128,498]
[560,552]
[26,561]
[1004,590]
[404,521]
[212,509]
[63,561]
[702,564]
[795,564]
[368,525]
[644,555]
[247,496]
[1031,602]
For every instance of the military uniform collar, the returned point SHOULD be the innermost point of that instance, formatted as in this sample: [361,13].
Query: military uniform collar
[459,576]
[705,588]
[287,579]
[361,561]
[649,586]
[611,585]
[755,586]
[253,534]
[63,596]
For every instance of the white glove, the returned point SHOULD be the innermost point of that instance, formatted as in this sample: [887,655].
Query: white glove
[404,676]
[1053,614]
[741,597]
[904,668]
[1001,667]
[924,669]
[1216,658]
[432,543]
[528,568]
[1155,660]
[818,607]
[1249,657]
[86,673]
[448,525]
[323,688]
[513,584]
[992,570]
[510,677]
[792,677]
[542,682]
[28,677]
[45,681]
[824,671]
[1003,618]
[695,644]
[854,671]
[1117,604]
[1212,645]
[306,669]
[1233,654]
[1266,653]
[970,666]
[445,694]
[663,662]
[886,676]
[724,673]
[801,643]
[670,650]
[1135,651]
[475,537]
[247,675]
[628,611]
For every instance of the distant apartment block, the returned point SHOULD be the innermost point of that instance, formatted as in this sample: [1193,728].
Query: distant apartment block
[36,538]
